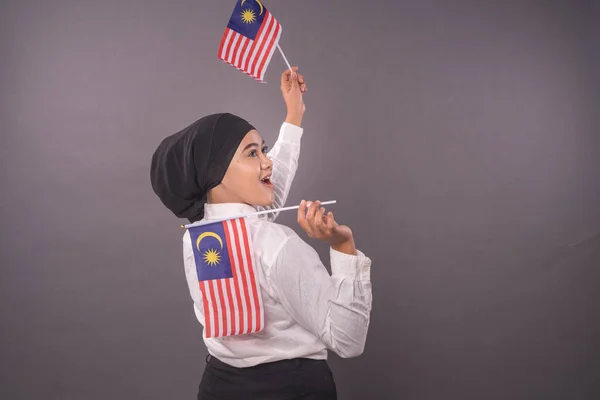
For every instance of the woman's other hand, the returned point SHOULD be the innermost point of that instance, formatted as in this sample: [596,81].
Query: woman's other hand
[321,225]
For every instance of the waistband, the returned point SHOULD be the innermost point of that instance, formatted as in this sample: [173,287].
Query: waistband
[292,363]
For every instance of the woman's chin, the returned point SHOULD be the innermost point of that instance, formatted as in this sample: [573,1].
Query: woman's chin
[263,198]
[267,201]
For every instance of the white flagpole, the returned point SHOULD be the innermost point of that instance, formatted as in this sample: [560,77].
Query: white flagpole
[210,221]
[283,55]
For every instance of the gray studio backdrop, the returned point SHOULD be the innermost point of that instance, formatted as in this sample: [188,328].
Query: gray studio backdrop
[461,140]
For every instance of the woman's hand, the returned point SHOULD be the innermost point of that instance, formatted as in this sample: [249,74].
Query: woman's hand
[321,225]
[292,89]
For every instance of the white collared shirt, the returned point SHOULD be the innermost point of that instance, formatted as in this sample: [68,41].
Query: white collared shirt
[307,311]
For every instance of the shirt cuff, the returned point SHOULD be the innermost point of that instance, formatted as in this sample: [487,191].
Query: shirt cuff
[356,267]
[290,133]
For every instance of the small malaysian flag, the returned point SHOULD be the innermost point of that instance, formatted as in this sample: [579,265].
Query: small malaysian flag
[228,278]
[250,38]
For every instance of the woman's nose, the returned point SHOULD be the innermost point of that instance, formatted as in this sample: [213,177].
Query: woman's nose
[266,162]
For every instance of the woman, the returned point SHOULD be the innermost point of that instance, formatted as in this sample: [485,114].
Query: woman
[218,167]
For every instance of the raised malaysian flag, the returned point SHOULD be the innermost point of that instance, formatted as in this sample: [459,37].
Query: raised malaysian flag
[250,38]
[228,278]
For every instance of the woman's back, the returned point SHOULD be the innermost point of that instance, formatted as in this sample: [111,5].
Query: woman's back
[304,308]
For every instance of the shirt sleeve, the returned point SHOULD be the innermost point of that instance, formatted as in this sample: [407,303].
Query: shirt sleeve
[335,308]
[284,154]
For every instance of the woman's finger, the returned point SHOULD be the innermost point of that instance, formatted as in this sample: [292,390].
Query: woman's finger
[287,72]
[308,219]
[301,82]
[319,219]
[312,210]
[330,223]
[286,76]
[302,216]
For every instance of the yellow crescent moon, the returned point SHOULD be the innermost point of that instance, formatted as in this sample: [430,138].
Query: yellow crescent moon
[259,3]
[207,234]
[261,7]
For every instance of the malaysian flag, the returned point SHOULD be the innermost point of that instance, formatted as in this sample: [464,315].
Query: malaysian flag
[250,38]
[228,278]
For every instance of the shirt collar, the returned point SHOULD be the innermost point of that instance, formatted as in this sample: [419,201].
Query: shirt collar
[224,210]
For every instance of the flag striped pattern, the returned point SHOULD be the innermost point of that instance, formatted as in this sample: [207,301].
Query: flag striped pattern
[251,56]
[233,305]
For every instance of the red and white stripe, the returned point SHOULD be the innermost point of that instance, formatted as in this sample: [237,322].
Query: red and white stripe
[233,306]
[251,56]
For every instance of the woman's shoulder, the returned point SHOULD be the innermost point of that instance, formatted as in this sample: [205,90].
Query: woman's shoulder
[274,231]
[270,239]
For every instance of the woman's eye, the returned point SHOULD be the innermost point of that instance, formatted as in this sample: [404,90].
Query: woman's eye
[252,153]
[265,150]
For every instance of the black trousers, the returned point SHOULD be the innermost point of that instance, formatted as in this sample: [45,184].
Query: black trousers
[299,378]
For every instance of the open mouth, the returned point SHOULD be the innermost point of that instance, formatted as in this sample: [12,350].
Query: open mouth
[266,181]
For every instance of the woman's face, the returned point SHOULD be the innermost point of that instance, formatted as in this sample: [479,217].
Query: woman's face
[247,179]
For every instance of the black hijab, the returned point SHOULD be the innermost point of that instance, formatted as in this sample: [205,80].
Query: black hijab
[187,164]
